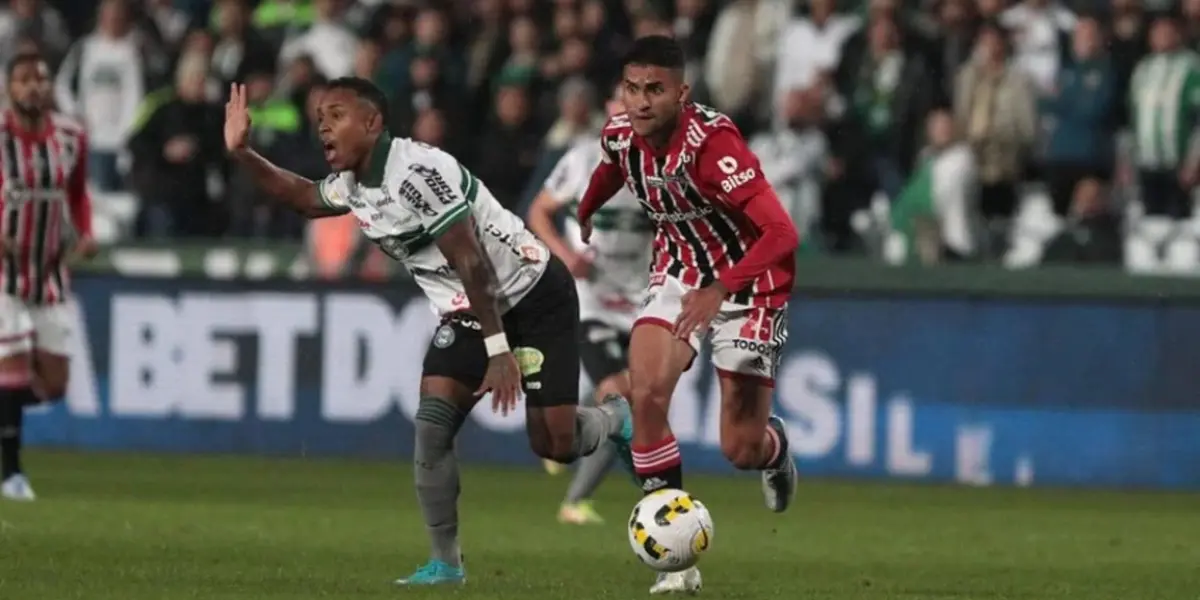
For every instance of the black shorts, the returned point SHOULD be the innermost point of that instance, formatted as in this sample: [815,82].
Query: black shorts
[604,350]
[543,331]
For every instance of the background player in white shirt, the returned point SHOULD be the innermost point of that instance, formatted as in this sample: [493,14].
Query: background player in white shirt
[488,277]
[611,275]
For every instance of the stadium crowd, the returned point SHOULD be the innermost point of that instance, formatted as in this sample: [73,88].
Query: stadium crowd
[945,130]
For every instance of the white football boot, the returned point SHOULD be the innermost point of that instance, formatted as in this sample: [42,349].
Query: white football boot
[17,487]
[686,581]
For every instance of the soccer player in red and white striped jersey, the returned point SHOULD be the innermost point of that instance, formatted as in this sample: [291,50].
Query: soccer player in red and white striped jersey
[723,268]
[45,220]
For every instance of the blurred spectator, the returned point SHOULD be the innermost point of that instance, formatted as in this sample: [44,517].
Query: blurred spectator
[426,90]
[741,57]
[994,108]
[238,49]
[1165,101]
[1081,111]
[910,33]
[578,119]
[430,127]
[485,50]
[952,48]
[164,23]
[1040,30]
[990,10]
[36,21]
[507,152]
[431,39]
[889,93]
[607,37]
[1093,233]
[1190,10]
[937,213]
[103,81]
[298,78]
[811,45]
[524,58]
[331,44]
[277,19]
[177,147]
[795,156]
[1128,44]
[278,132]
[692,26]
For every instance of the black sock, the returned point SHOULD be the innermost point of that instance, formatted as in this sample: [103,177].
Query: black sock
[11,416]
[659,466]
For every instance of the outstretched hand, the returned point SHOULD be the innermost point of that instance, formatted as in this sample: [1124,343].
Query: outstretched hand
[237,118]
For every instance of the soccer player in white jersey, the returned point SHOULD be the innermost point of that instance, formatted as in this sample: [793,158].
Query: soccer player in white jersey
[509,310]
[611,276]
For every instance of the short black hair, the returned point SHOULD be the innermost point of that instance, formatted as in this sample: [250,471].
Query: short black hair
[655,51]
[20,59]
[365,90]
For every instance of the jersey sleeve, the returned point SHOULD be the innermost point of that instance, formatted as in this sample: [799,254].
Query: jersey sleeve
[725,165]
[570,175]
[332,192]
[426,192]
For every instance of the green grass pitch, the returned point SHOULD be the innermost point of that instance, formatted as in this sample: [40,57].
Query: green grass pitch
[171,527]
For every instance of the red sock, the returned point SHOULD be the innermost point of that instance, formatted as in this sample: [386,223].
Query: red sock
[659,466]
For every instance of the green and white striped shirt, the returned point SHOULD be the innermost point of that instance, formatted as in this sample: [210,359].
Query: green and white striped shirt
[1164,96]
[411,194]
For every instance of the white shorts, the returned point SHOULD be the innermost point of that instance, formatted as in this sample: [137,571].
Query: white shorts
[746,340]
[24,327]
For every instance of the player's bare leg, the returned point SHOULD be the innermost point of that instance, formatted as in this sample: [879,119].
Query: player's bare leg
[51,372]
[567,432]
[15,394]
[577,507]
[444,406]
[656,361]
[753,439]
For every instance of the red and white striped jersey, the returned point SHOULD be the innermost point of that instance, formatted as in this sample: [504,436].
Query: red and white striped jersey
[694,190]
[44,205]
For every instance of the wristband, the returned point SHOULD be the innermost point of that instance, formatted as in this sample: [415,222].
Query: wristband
[496,344]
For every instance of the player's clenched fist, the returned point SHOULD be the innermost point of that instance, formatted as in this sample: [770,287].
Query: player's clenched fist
[237,118]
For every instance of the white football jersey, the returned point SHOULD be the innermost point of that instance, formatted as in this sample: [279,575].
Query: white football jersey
[621,245]
[412,194]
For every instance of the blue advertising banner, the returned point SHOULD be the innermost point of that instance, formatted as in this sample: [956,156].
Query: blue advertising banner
[975,391]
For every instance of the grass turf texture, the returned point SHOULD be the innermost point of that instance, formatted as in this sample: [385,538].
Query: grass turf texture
[160,528]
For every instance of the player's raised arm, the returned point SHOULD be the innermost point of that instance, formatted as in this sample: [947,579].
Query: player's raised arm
[298,193]
[726,165]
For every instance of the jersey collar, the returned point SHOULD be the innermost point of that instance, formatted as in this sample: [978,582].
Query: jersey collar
[379,157]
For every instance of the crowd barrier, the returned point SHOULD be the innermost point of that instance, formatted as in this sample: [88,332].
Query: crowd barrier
[974,390]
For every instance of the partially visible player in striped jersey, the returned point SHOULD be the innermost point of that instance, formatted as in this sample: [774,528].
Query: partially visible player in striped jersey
[508,308]
[723,269]
[610,277]
[45,221]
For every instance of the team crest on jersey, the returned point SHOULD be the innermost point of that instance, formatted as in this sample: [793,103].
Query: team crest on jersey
[443,337]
